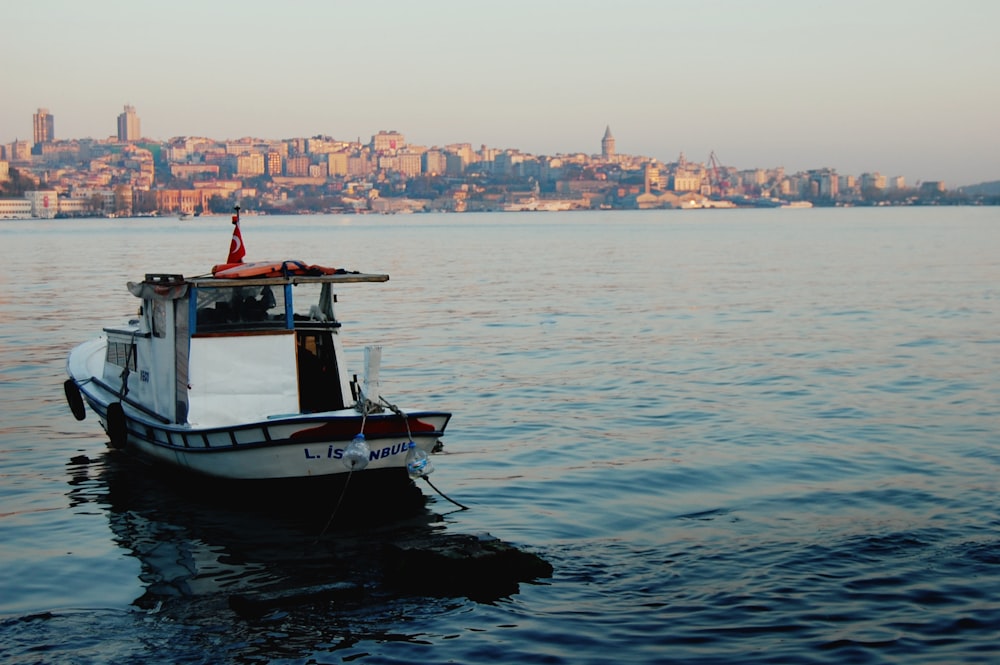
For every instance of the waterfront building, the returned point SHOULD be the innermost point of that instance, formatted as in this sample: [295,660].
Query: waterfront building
[359,165]
[19,151]
[240,146]
[684,180]
[507,162]
[272,163]
[317,146]
[651,177]
[434,162]
[44,203]
[455,164]
[128,125]
[691,178]
[387,141]
[752,178]
[297,166]
[336,163]
[552,169]
[388,163]
[75,207]
[873,181]
[88,201]
[175,152]
[463,151]
[189,171]
[15,208]
[849,184]
[44,124]
[487,155]
[823,183]
[409,164]
[250,164]
[324,146]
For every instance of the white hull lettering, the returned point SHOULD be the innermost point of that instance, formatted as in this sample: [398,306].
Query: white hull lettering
[387,451]
[338,453]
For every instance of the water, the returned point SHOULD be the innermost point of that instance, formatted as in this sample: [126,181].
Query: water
[738,436]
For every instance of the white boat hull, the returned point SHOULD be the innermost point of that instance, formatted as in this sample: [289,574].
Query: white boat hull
[286,447]
[296,447]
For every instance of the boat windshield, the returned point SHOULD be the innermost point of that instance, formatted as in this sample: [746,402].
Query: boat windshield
[313,302]
[229,308]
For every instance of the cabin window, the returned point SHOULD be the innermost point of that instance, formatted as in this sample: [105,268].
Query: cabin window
[314,303]
[122,354]
[220,309]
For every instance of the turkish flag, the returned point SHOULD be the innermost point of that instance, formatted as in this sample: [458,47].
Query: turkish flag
[236,250]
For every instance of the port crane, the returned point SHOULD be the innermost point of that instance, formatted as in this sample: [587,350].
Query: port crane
[719,186]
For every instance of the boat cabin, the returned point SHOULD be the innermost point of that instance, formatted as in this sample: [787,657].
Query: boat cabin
[211,352]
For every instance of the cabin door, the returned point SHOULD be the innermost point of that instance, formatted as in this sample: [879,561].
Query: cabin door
[320,385]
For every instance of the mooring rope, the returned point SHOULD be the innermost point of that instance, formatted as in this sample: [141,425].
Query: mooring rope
[368,406]
[444,495]
[340,499]
[365,402]
[131,358]
[395,409]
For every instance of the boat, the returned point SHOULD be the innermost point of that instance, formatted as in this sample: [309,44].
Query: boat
[532,204]
[238,378]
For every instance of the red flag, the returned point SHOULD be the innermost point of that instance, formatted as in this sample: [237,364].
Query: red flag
[236,250]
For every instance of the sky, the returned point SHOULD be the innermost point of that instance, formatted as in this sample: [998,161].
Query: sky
[901,87]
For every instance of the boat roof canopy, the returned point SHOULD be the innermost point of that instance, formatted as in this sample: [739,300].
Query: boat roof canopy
[158,286]
[339,278]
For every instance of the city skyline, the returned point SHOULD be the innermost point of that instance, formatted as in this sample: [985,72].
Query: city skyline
[901,88]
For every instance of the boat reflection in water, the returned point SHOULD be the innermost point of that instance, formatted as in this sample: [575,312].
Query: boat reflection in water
[196,559]
[238,573]
[192,549]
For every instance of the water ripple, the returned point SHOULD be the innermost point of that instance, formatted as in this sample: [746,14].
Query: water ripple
[763,442]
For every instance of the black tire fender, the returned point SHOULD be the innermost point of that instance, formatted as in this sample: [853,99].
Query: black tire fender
[117,427]
[74,399]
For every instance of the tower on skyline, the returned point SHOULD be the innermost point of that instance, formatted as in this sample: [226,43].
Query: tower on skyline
[44,124]
[608,145]
[128,125]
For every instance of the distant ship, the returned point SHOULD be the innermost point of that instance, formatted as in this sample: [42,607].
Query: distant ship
[769,202]
[533,204]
